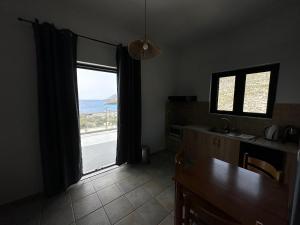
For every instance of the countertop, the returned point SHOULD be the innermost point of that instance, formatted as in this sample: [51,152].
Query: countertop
[260,141]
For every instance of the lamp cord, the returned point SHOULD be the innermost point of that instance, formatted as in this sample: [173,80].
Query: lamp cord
[145,20]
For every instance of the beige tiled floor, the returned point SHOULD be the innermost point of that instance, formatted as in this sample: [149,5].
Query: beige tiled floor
[129,195]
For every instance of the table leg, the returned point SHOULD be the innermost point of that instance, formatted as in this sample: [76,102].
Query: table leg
[178,204]
[187,208]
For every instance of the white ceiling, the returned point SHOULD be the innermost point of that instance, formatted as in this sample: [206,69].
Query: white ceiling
[172,21]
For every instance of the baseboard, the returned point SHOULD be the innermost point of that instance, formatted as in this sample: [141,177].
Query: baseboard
[22,200]
[158,150]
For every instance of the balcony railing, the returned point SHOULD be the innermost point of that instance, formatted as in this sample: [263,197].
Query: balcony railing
[97,122]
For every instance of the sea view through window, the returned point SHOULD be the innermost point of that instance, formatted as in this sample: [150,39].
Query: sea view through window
[97,93]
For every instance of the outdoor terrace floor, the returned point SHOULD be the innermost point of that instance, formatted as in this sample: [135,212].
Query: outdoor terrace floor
[98,150]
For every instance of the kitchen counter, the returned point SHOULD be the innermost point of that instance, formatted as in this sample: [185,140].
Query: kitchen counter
[260,141]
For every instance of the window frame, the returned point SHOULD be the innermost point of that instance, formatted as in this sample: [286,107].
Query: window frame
[96,67]
[101,68]
[239,91]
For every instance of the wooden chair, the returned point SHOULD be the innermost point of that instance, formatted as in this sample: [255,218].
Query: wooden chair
[261,167]
[179,157]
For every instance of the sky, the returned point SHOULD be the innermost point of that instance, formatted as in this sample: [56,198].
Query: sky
[95,85]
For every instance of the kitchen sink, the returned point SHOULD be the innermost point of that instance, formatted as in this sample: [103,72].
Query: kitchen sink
[233,133]
[219,130]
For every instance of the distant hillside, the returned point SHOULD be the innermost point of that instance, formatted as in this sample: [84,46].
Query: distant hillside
[111,100]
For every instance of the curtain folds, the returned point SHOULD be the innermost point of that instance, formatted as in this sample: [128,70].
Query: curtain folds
[58,107]
[129,108]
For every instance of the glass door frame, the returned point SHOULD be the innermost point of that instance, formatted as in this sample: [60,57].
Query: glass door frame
[100,68]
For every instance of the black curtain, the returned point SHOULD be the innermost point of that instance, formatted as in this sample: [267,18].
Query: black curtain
[129,108]
[58,107]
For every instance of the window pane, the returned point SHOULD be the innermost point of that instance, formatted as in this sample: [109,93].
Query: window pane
[97,93]
[256,92]
[226,93]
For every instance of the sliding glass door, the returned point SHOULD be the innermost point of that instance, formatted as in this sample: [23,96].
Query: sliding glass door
[97,90]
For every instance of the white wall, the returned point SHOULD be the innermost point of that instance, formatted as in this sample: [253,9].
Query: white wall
[274,39]
[157,81]
[20,167]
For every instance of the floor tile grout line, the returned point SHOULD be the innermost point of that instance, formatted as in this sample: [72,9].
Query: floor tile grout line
[126,214]
[91,211]
[163,219]
[123,195]
[104,209]
[83,197]
[151,197]
[88,214]
[102,205]
[136,210]
[118,175]
[107,216]
[96,192]
[73,213]
[163,205]
[105,186]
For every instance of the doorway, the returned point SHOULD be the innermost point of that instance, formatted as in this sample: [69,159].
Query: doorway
[97,94]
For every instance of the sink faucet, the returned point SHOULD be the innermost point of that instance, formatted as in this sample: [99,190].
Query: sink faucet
[226,124]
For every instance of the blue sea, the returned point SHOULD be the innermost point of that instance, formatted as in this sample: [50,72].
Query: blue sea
[95,106]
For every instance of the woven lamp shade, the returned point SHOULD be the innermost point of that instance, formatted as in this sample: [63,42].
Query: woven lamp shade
[137,51]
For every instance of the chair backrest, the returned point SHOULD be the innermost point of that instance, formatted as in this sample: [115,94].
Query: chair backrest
[262,167]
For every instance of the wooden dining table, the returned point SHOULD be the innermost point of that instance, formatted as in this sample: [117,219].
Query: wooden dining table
[247,197]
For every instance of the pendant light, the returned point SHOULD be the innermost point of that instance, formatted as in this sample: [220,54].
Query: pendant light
[143,49]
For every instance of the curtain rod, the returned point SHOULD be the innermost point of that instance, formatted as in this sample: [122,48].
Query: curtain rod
[79,35]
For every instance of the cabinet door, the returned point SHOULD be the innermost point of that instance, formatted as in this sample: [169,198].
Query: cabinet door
[214,147]
[229,150]
[196,144]
[204,141]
